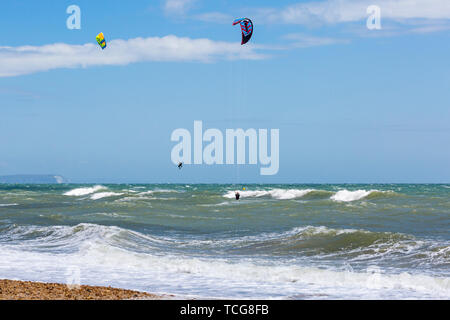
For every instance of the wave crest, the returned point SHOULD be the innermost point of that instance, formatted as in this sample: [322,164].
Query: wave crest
[288,194]
[84,191]
[348,196]
[101,195]
[280,194]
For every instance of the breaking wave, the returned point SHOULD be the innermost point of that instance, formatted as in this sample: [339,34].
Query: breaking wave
[347,196]
[101,195]
[287,194]
[280,194]
[309,240]
[132,257]
[84,191]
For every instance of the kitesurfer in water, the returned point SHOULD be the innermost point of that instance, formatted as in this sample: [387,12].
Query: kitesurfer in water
[237,195]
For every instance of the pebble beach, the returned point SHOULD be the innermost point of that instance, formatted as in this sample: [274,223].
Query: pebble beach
[27,290]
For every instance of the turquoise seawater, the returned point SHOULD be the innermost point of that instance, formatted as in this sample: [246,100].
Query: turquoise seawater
[277,242]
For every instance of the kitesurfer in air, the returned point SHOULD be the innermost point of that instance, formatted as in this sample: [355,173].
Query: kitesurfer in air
[180,165]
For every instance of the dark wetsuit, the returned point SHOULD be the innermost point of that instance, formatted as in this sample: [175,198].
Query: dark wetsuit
[237,195]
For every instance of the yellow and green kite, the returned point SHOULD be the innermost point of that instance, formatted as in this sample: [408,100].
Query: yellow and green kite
[101,40]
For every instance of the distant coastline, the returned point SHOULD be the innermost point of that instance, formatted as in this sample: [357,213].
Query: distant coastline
[33,179]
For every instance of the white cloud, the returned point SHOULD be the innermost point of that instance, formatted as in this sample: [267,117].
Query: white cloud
[340,11]
[177,6]
[300,40]
[16,61]
[430,29]
[217,17]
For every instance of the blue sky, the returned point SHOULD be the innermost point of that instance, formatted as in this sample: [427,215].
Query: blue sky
[351,104]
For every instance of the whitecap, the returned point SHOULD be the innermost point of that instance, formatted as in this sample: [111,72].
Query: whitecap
[84,191]
[347,196]
[101,195]
[8,204]
[280,194]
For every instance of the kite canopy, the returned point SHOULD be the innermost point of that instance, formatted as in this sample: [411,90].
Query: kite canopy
[101,40]
[246,28]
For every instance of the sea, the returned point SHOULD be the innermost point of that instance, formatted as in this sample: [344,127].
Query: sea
[330,241]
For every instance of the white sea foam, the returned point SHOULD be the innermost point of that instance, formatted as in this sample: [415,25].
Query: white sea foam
[167,191]
[133,199]
[84,191]
[102,262]
[347,196]
[101,195]
[8,204]
[150,192]
[280,194]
